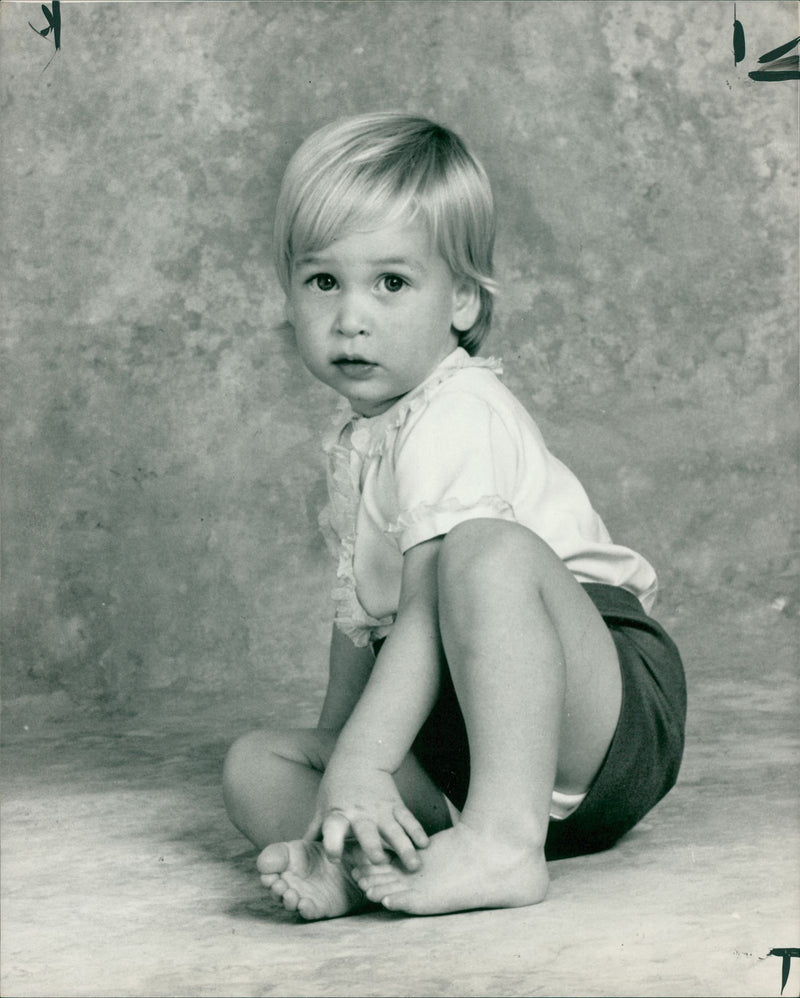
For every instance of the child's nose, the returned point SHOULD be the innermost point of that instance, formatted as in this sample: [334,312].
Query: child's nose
[352,318]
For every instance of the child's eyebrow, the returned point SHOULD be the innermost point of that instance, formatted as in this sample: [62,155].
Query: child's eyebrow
[399,261]
[320,259]
[307,258]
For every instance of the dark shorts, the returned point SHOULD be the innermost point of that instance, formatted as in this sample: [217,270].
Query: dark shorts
[644,757]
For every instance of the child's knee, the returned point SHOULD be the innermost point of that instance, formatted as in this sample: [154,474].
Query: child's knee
[254,755]
[485,555]
[238,769]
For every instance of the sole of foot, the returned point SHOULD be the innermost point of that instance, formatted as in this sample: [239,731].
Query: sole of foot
[304,880]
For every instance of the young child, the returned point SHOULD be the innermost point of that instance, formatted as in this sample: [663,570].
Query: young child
[498,693]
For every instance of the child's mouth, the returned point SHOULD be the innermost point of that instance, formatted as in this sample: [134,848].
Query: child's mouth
[356,367]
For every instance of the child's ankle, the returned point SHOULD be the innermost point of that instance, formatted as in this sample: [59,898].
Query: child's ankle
[527,831]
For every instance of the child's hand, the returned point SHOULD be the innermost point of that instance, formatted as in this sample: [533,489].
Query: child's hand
[356,800]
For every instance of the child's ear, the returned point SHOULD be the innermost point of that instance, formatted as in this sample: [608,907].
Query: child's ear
[466,305]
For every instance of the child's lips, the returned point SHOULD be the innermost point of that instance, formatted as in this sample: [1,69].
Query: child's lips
[358,368]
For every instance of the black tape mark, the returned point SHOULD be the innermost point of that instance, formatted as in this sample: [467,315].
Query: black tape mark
[53,25]
[739,46]
[786,953]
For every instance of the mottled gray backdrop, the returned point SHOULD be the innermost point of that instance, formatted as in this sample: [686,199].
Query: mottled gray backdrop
[161,467]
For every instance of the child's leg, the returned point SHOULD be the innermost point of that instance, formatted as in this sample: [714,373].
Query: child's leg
[270,782]
[537,678]
[270,785]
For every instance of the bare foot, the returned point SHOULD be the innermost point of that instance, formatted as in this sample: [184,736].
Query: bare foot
[302,877]
[462,868]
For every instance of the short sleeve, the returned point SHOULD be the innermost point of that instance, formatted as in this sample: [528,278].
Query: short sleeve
[456,461]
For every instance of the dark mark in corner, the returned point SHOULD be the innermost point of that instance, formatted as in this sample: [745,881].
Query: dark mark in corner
[777,67]
[786,953]
[53,24]
[739,47]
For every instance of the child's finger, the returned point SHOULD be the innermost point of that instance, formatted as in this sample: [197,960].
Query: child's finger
[411,826]
[402,845]
[313,831]
[369,838]
[335,827]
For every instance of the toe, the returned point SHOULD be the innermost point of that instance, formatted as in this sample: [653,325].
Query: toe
[307,909]
[274,859]
[372,869]
[376,880]
[398,901]
[279,887]
[291,899]
[379,892]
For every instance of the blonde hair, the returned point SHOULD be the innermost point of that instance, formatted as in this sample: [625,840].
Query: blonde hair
[374,169]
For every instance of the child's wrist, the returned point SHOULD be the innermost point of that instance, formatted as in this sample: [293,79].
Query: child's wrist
[355,757]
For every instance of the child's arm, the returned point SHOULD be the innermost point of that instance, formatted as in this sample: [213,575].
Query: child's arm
[348,671]
[358,794]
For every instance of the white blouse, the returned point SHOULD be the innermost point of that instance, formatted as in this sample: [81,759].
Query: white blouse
[458,446]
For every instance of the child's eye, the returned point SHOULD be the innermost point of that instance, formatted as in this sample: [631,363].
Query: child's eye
[323,282]
[393,283]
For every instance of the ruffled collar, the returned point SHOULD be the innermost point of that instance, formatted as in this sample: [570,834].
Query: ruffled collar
[353,440]
[367,433]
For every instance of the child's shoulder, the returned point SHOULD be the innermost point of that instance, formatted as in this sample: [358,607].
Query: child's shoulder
[471,401]
[480,380]
[458,391]
[477,387]
[464,399]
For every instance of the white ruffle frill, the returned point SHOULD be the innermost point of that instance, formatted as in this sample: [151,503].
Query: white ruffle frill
[349,446]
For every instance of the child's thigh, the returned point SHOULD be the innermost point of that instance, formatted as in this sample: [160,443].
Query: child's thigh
[503,570]
[593,691]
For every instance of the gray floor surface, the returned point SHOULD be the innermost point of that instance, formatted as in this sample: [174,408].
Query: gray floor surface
[121,875]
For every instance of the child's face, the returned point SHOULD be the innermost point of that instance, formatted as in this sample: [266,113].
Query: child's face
[375,312]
